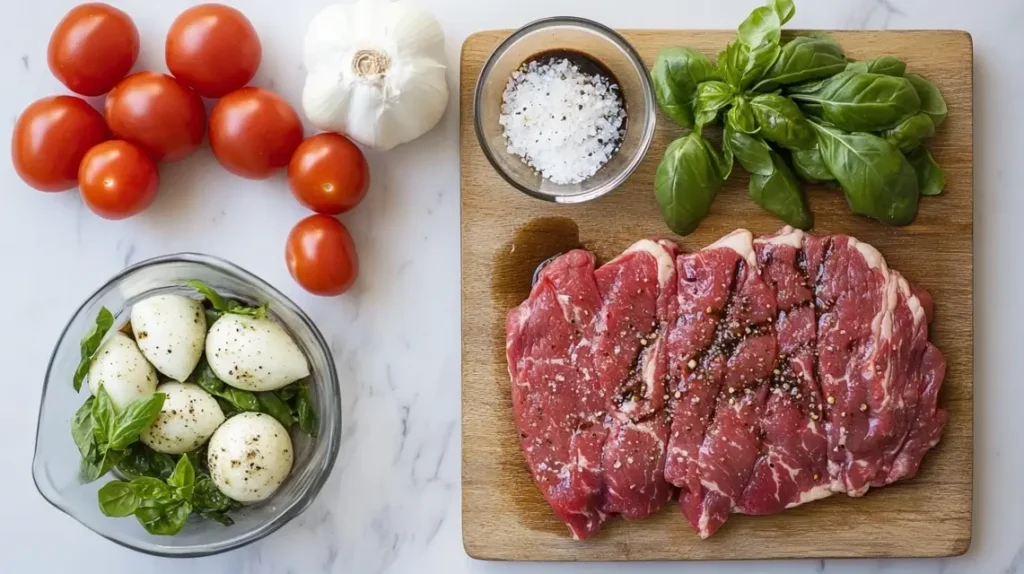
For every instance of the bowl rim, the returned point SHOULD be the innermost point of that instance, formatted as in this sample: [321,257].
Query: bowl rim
[647,87]
[294,509]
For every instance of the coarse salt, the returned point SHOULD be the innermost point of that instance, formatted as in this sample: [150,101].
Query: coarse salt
[563,122]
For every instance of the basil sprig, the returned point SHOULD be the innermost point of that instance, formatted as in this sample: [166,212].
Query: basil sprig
[223,305]
[91,343]
[103,435]
[795,108]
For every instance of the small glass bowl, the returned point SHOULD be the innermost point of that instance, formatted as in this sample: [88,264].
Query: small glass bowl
[56,460]
[599,43]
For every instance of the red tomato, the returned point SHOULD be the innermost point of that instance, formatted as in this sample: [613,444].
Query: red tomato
[117,179]
[328,174]
[158,113]
[321,256]
[254,132]
[213,48]
[92,48]
[50,139]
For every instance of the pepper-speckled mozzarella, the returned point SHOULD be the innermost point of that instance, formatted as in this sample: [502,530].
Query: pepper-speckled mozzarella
[170,331]
[188,418]
[254,354]
[122,370]
[249,457]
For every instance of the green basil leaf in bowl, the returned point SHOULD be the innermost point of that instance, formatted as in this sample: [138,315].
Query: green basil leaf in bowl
[118,499]
[91,343]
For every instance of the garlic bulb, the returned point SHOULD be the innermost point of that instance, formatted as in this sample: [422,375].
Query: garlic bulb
[376,72]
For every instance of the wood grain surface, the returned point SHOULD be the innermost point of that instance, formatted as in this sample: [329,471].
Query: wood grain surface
[505,234]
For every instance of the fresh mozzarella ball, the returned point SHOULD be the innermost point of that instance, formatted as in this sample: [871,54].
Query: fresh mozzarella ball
[122,370]
[187,419]
[254,354]
[170,330]
[249,456]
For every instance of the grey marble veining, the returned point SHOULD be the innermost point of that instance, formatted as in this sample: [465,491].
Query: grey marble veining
[393,503]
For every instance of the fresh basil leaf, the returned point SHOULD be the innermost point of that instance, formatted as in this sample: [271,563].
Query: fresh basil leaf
[741,116]
[712,97]
[810,167]
[784,8]
[854,101]
[204,376]
[207,498]
[91,343]
[220,517]
[876,178]
[930,179]
[82,430]
[243,400]
[183,479]
[685,185]
[227,408]
[779,193]
[732,62]
[750,151]
[259,312]
[271,404]
[802,60]
[676,74]
[306,413]
[885,65]
[932,102]
[167,519]
[287,393]
[911,133]
[152,489]
[781,121]
[789,35]
[90,470]
[762,26]
[134,419]
[141,461]
[103,417]
[225,305]
[211,317]
[759,61]
[216,301]
[118,499]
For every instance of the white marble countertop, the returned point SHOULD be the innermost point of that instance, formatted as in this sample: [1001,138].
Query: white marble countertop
[393,503]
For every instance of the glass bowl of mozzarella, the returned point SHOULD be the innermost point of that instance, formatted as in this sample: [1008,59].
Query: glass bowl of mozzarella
[189,408]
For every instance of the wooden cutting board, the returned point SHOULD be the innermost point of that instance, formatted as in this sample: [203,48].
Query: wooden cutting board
[505,234]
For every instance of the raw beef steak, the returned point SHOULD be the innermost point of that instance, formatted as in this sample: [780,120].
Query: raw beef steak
[754,375]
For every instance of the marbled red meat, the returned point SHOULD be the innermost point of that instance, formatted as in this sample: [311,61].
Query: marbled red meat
[754,375]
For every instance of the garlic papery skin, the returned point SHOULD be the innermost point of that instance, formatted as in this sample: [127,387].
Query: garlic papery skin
[376,72]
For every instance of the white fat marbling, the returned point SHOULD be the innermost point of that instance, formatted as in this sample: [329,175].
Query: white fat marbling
[393,504]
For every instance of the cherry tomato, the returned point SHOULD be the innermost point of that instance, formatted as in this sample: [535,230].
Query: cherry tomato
[328,174]
[50,139]
[158,113]
[254,132]
[92,48]
[213,48]
[117,179]
[321,256]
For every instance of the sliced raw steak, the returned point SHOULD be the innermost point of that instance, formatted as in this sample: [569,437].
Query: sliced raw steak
[585,362]
[753,375]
